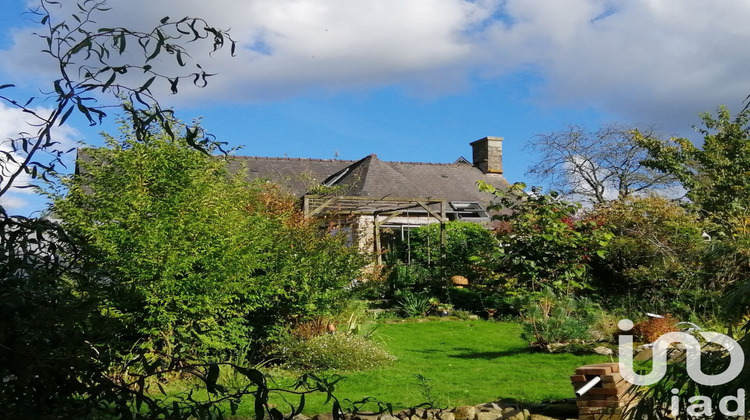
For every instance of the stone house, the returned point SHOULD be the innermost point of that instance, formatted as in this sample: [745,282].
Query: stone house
[377,201]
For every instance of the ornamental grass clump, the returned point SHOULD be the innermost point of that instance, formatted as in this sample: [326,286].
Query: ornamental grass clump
[338,351]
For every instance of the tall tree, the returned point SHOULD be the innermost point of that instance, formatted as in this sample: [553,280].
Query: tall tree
[595,166]
[715,175]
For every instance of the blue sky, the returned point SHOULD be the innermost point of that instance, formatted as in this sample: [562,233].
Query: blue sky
[418,80]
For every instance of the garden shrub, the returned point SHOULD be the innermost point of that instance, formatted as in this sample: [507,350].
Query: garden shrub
[204,262]
[651,329]
[548,319]
[413,304]
[466,299]
[338,351]
[544,243]
[657,261]
[356,318]
[312,328]
[605,327]
[461,314]
[413,277]
[483,299]
[501,302]
[465,243]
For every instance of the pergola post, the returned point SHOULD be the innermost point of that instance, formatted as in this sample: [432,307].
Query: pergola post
[378,253]
[443,233]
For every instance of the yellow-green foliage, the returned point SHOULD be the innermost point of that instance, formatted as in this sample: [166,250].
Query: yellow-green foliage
[205,262]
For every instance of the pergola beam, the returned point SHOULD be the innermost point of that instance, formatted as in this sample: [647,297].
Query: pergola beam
[390,207]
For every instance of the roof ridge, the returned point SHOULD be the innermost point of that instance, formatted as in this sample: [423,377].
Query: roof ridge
[345,160]
[421,163]
[370,184]
[292,159]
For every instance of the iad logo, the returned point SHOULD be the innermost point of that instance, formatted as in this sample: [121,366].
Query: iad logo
[692,350]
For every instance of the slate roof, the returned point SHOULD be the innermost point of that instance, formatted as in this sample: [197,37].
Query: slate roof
[369,177]
[297,174]
[372,177]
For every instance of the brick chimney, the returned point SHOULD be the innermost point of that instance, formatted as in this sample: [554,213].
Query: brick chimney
[488,154]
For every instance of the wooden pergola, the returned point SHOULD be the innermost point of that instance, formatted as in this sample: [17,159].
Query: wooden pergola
[382,209]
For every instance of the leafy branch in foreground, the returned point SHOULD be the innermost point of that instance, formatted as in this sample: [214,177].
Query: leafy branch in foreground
[92,61]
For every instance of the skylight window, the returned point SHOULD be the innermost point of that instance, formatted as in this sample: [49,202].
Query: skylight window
[470,211]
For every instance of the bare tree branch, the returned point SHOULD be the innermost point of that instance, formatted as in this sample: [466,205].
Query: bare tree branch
[595,166]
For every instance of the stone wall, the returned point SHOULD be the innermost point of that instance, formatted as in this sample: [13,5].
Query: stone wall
[490,411]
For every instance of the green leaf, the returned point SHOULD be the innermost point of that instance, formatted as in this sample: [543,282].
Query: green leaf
[58,87]
[254,375]
[336,410]
[147,84]
[66,115]
[173,84]
[301,405]
[109,81]
[276,414]
[260,412]
[86,43]
[122,43]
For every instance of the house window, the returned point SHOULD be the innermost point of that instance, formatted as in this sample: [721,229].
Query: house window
[469,211]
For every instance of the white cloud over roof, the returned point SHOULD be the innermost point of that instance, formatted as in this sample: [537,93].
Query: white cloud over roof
[648,60]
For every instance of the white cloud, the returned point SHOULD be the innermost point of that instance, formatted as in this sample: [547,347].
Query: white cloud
[13,203]
[290,46]
[652,61]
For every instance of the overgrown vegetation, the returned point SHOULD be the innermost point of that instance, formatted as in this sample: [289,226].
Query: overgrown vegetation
[466,243]
[715,177]
[204,262]
[165,266]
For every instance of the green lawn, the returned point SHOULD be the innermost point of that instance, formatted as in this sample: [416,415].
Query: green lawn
[469,362]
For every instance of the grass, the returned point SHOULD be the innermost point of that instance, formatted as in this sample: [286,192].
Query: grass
[467,362]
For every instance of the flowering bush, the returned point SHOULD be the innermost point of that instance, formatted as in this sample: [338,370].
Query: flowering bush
[336,351]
